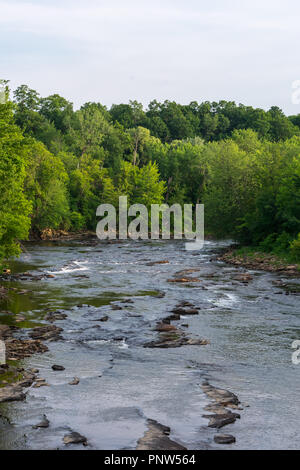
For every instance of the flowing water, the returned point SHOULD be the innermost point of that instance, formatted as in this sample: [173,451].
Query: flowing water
[251,328]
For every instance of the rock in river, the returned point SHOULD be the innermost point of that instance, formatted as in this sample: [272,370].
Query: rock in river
[42,424]
[75,438]
[12,393]
[75,381]
[220,420]
[47,332]
[224,439]
[57,367]
[156,438]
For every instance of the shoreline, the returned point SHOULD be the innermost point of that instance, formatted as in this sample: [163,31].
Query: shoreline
[260,261]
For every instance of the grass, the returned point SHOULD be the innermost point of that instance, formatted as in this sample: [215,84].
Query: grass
[276,259]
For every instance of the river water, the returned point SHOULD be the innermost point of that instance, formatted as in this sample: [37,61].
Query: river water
[250,327]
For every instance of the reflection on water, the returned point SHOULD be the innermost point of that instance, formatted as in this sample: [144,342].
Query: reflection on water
[250,327]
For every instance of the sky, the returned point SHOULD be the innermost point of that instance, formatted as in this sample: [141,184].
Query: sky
[113,51]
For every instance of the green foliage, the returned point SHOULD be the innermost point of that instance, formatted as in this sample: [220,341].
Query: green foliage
[14,207]
[295,248]
[45,187]
[77,221]
[141,185]
[57,165]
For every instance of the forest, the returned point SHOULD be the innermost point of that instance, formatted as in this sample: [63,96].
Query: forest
[58,164]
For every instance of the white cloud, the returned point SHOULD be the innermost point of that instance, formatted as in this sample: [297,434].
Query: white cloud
[113,50]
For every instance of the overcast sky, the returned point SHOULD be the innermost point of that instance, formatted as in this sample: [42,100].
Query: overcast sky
[184,50]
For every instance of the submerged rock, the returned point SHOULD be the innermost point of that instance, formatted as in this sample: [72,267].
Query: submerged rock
[116,307]
[153,263]
[244,278]
[156,438]
[185,303]
[165,327]
[185,279]
[104,319]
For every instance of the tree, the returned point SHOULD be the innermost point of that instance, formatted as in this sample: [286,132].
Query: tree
[14,207]
[46,188]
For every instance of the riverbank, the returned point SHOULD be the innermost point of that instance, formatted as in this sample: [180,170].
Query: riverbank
[252,258]
[13,377]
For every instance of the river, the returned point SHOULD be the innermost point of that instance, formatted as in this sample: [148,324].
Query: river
[250,326]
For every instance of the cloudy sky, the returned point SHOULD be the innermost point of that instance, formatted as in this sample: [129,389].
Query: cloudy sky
[115,50]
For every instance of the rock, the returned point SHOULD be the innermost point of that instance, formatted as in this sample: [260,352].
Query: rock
[222,397]
[75,438]
[55,316]
[197,342]
[184,311]
[153,263]
[224,439]
[170,318]
[6,331]
[174,339]
[156,438]
[41,383]
[21,348]
[11,393]
[219,420]
[28,379]
[243,278]
[43,424]
[75,381]
[185,279]
[104,319]
[185,304]
[116,307]
[159,295]
[165,327]
[191,311]
[47,332]
[19,318]
[184,272]
[57,367]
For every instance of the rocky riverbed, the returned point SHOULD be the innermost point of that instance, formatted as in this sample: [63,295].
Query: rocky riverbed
[143,345]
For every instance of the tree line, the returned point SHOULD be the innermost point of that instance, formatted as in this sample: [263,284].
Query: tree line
[58,164]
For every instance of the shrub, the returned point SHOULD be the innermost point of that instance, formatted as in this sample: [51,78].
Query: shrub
[295,248]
